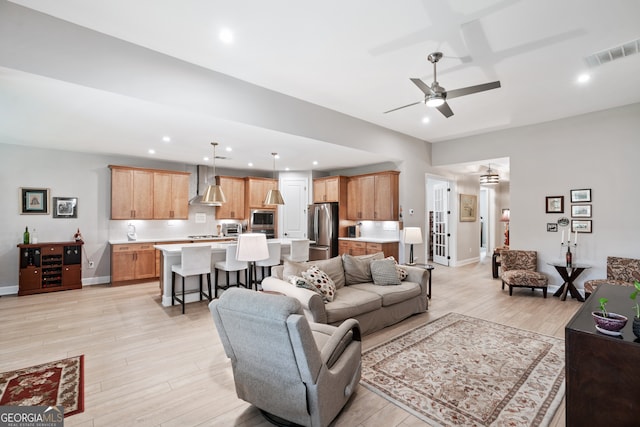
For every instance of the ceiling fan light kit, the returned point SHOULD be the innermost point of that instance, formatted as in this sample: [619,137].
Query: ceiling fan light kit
[436,96]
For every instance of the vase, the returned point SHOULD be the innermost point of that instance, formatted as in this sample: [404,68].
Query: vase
[636,326]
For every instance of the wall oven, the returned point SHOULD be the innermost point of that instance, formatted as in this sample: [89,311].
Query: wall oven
[263,221]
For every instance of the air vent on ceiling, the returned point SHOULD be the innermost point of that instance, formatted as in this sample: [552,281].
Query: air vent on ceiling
[626,49]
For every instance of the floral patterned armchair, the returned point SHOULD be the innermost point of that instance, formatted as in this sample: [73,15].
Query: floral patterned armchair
[519,271]
[620,271]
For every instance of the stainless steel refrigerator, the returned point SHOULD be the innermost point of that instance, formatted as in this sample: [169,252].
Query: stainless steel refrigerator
[323,230]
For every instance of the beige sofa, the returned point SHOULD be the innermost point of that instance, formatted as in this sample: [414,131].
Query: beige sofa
[356,295]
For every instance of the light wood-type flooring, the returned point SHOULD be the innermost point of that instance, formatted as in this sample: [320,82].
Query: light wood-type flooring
[152,366]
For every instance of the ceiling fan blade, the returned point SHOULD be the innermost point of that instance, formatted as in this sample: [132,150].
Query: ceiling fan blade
[404,106]
[445,110]
[422,86]
[472,89]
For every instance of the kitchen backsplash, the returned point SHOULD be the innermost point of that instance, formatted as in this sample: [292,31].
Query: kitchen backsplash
[379,229]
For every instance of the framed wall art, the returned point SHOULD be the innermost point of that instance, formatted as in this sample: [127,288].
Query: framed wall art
[581,225]
[468,207]
[581,211]
[581,196]
[554,204]
[34,201]
[552,226]
[65,207]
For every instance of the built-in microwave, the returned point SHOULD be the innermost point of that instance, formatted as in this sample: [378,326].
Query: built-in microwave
[262,219]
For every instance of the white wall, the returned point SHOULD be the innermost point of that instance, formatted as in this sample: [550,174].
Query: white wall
[598,151]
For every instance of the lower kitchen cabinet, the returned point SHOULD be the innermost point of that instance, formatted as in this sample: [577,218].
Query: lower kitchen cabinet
[132,262]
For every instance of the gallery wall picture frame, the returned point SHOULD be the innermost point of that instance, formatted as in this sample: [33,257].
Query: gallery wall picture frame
[65,207]
[581,196]
[554,204]
[581,225]
[468,207]
[552,227]
[34,201]
[581,211]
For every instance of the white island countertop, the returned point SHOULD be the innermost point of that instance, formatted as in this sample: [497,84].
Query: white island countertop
[167,239]
[176,248]
[369,239]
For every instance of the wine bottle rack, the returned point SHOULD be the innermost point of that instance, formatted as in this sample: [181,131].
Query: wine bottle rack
[50,267]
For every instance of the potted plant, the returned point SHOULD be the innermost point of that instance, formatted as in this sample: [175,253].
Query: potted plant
[636,318]
[606,322]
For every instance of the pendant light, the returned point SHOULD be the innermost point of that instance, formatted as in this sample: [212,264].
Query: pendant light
[273,196]
[214,195]
[490,178]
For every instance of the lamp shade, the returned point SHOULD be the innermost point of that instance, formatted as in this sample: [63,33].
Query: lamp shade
[214,196]
[252,247]
[506,215]
[274,197]
[412,235]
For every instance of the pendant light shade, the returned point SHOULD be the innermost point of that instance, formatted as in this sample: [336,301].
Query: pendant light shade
[273,196]
[490,178]
[214,196]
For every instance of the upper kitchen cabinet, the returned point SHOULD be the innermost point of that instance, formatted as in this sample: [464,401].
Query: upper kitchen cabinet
[131,193]
[171,195]
[373,196]
[233,189]
[330,189]
[256,190]
[138,193]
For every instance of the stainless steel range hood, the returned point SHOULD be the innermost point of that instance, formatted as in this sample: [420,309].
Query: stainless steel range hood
[204,176]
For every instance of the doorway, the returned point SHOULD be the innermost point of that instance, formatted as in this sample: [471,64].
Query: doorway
[438,208]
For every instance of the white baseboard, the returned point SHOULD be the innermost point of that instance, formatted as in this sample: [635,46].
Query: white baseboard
[8,290]
[13,290]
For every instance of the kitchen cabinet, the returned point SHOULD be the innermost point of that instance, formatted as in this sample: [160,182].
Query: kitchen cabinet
[132,262]
[360,247]
[170,195]
[138,193]
[373,197]
[131,193]
[256,190]
[234,190]
[330,189]
[48,267]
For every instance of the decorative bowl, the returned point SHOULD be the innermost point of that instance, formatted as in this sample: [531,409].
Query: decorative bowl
[613,322]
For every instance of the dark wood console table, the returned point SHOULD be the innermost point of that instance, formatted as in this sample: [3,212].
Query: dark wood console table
[49,266]
[569,275]
[602,371]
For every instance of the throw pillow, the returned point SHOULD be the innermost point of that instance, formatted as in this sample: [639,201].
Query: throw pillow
[357,269]
[383,272]
[322,281]
[402,273]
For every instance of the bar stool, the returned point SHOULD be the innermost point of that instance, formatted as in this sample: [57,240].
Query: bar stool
[299,251]
[195,261]
[230,264]
[275,249]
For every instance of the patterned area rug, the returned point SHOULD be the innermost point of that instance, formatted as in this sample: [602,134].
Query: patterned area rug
[50,384]
[463,371]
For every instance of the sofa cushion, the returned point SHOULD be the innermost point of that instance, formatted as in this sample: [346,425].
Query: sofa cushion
[391,294]
[357,268]
[383,272]
[321,281]
[350,302]
[331,266]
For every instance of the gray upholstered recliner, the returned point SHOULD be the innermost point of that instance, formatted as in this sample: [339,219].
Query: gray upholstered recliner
[298,371]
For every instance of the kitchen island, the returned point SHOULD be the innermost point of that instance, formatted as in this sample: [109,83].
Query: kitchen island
[171,255]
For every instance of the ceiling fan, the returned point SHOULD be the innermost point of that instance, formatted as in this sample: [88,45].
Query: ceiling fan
[436,96]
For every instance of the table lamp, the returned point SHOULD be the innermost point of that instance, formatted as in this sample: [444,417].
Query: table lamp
[252,247]
[412,235]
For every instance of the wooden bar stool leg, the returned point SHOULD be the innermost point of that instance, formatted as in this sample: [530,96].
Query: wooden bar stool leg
[215,283]
[209,285]
[173,288]
[183,283]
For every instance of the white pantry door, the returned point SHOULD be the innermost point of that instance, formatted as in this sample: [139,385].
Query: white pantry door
[294,211]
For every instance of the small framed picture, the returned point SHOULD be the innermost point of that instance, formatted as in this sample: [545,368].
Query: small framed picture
[34,201]
[581,225]
[555,204]
[581,211]
[552,227]
[65,207]
[581,196]
[468,207]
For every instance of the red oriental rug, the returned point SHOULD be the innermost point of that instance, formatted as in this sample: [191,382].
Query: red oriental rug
[50,384]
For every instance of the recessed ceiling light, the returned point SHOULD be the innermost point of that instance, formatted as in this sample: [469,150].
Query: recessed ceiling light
[166,138]
[583,78]
[205,158]
[426,120]
[152,151]
[250,164]
[226,36]
[277,156]
[315,163]
[229,149]
[287,169]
